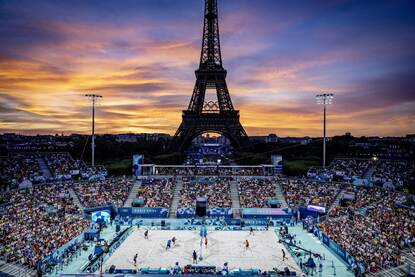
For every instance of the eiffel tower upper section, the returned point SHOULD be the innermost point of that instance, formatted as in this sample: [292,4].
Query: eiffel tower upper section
[212,116]
[211,57]
[211,74]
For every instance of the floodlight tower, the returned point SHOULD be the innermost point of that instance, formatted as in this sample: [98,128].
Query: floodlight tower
[324,99]
[94,98]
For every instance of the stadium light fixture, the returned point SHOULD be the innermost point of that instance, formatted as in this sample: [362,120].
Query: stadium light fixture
[94,98]
[324,99]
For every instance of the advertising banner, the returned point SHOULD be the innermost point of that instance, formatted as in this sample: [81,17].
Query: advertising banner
[138,161]
[266,212]
[315,208]
[108,208]
[101,216]
[143,212]
[212,212]
[277,163]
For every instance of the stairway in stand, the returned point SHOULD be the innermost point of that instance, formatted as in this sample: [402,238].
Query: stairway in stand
[44,168]
[133,193]
[176,197]
[76,200]
[369,172]
[336,201]
[280,195]
[403,270]
[409,260]
[408,266]
[236,204]
[9,269]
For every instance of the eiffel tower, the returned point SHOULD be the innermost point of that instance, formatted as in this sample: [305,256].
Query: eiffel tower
[211,116]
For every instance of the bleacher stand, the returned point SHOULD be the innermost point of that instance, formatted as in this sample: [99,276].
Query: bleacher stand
[372,228]
[254,193]
[218,194]
[38,221]
[303,192]
[156,193]
[104,192]
[19,167]
[393,174]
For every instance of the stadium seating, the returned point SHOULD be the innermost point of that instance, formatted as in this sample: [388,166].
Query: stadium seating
[38,221]
[19,167]
[393,174]
[106,192]
[303,192]
[156,193]
[254,193]
[218,194]
[377,235]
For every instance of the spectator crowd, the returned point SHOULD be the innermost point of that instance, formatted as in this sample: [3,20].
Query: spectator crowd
[35,168]
[303,192]
[61,164]
[393,174]
[210,171]
[254,193]
[218,194]
[38,221]
[157,193]
[343,168]
[104,192]
[19,167]
[377,236]
[350,167]
[63,167]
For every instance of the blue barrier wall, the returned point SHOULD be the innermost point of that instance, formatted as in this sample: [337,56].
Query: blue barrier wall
[266,213]
[346,257]
[305,213]
[212,212]
[143,212]
[108,208]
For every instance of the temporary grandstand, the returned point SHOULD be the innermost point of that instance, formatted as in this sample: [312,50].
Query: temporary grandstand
[306,217]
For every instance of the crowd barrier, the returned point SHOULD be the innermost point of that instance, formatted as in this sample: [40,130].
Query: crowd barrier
[403,206]
[212,212]
[94,265]
[58,253]
[109,208]
[304,213]
[274,213]
[143,212]
[346,257]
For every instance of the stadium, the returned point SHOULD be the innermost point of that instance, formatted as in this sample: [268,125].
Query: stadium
[331,224]
[206,200]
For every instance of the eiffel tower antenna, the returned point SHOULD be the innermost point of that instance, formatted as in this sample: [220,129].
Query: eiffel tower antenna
[212,116]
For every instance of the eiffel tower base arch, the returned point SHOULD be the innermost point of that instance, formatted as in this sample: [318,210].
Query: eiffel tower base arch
[194,124]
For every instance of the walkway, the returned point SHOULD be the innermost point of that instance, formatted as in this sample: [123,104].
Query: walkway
[133,193]
[15,270]
[75,199]
[44,168]
[336,201]
[176,197]
[399,271]
[332,265]
[369,172]
[78,261]
[280,195]
[236,204]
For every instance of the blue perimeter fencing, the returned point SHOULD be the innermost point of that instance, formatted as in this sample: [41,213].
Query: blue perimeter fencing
[338,250]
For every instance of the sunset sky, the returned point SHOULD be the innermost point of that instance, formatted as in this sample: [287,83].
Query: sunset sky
[140,55]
